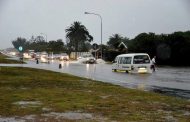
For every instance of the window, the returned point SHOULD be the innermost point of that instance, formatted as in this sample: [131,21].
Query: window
[120,60]
[125,60]
[115,61]
[141,59]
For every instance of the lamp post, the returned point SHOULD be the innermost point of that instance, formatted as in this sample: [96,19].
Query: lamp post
[46,42]
[45,35]
[101,28]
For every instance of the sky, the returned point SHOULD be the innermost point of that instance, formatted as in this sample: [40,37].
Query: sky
[26,18]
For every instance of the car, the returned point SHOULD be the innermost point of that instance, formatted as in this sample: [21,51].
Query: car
[87,59]
[43,57]
[64,57]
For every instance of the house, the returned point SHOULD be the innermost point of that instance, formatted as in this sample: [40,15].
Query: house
[123,47]
[11,51]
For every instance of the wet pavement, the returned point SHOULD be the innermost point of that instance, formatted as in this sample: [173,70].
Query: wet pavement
[166,80]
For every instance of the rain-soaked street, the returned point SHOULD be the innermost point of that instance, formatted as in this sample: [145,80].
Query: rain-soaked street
[166,80]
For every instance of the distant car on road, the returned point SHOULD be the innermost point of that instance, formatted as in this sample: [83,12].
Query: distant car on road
[64,57]
[87,58]
[44,57]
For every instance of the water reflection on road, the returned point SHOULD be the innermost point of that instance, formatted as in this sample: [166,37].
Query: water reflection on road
[166,80]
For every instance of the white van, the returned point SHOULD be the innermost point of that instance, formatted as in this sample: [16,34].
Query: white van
[134,63]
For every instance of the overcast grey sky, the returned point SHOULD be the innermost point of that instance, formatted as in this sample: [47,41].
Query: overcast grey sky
[24,18]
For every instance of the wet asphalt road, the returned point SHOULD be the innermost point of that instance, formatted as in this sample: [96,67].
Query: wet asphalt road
[166,80]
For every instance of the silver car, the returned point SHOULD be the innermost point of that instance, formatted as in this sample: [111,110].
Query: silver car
[87,58]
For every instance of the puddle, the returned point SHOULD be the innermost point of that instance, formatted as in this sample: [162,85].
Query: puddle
[186,113]
[70,115]
[10,119]
[171,92]
[74,116]
[54,116]
[46,109]
[104,97]
[24,88]
[28,103]
[29,117]
[170,119]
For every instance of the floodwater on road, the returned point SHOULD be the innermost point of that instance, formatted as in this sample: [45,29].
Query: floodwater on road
[166,80]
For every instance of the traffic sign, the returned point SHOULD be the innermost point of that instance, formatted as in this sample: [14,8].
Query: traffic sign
[95,46]
[20,48]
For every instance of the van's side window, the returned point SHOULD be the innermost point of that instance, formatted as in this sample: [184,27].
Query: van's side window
[141,59]
[124,60]
[127,60]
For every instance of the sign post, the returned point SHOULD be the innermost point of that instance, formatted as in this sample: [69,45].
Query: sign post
[20,48]
[95,48]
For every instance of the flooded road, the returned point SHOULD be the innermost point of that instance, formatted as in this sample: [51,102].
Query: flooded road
[166,80]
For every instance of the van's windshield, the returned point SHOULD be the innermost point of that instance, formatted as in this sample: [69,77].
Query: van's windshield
[141,59]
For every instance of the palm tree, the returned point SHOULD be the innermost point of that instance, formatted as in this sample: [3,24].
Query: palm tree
[115,40]
[77,34]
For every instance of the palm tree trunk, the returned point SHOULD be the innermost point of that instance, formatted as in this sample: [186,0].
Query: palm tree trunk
[76,49]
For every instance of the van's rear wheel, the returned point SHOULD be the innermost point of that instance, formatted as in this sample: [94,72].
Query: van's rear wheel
[114,70]
[127,71]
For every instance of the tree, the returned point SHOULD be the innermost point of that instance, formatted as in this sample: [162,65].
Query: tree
[114,40]
[56,46]
[77,35]
[144,43]
[20,42]
[38,43]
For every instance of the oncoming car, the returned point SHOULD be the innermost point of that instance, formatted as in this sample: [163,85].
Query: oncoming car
[87,58]
[133,63]
[64,57]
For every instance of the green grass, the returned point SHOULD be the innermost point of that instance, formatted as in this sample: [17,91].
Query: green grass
[4,60]
[63,93]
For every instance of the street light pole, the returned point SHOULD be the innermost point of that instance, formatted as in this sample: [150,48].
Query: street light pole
[46,42]
[101,28]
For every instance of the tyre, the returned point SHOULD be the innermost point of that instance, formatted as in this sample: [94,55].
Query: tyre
[114,70]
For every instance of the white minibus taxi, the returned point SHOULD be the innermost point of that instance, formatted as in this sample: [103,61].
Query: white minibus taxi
[133,63]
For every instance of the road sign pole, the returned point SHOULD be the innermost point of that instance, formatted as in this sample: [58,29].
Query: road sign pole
[20,48]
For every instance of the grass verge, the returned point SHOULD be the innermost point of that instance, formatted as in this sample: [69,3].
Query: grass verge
[4,60]
[57,92]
